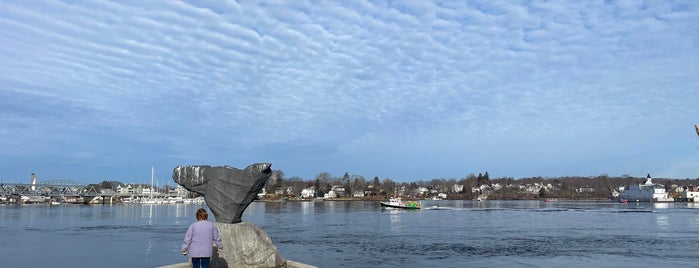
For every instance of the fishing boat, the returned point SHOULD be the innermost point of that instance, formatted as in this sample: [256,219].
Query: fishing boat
[398,203]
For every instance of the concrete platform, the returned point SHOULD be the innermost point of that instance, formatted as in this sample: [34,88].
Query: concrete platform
[289,264]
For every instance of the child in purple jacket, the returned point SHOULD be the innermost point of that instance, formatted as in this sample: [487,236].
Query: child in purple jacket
[199,239]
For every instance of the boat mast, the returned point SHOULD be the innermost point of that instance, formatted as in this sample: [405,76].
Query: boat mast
[152,173]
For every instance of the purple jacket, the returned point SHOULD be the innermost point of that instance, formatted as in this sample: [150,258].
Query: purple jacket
[199,239]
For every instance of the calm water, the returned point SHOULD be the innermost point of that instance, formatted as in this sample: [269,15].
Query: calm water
[361,234]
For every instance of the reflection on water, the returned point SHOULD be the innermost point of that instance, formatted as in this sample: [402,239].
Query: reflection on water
[394,216]
[307,208]
[661,205]
[150,207]
[662,221]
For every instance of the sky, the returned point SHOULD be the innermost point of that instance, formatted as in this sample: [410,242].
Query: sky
[406,90]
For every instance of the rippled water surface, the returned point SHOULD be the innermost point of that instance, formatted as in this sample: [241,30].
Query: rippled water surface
[361,234]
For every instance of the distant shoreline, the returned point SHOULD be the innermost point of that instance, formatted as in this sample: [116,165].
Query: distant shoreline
[552,199]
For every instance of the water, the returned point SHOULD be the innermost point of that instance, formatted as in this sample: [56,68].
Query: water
[361,234]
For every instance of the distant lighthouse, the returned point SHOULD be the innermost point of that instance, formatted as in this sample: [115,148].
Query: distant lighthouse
[33,183]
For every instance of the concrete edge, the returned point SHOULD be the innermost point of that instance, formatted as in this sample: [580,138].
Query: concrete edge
[289,264]
[178,265]
[293,264]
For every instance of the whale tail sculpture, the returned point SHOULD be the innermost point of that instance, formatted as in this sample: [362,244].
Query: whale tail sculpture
[227,191]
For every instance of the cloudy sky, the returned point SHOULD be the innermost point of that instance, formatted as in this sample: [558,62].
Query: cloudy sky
[407,90]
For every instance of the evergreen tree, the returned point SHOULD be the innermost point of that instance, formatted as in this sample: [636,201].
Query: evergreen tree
[377,185]
[348,186]
[317,188]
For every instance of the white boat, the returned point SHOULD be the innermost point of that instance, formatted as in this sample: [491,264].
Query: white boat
[151,199]
[645,192]
[155,201]
[175,200]
[398,203]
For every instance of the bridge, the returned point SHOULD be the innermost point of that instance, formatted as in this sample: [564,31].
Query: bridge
[46,188]
[62,190]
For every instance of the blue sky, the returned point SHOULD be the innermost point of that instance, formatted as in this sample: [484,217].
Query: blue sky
[407,90]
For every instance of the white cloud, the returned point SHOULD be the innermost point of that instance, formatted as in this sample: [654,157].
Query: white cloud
[400,80]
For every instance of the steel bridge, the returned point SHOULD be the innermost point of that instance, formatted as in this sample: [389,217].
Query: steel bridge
[60,190]
[47,188]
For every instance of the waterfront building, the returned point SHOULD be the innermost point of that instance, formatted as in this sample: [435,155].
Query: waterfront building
[690,194]
[308,192]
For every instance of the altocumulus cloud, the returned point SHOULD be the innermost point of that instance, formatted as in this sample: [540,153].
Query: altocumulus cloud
[397,89]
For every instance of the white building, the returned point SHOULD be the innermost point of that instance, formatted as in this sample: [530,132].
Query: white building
[690,194]
[309,192]
[126,189]
[338,190]
[330,194]
[422,191]
[262,193]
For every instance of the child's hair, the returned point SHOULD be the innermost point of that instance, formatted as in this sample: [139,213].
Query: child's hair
[202,215]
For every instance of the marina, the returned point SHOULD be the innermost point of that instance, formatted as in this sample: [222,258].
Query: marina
[56,192]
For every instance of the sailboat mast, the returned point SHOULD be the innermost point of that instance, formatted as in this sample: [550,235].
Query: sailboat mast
[152,174]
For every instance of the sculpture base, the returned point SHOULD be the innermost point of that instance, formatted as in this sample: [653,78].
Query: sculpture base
[245,245]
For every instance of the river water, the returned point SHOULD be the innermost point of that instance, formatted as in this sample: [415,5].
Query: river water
[362,234]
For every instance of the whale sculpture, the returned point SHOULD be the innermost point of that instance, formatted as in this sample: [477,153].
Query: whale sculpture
[228,191]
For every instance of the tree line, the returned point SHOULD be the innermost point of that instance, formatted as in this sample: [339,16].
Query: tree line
[467,187]
[470,186]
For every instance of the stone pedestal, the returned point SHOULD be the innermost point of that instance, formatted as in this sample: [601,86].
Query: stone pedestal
[246,245]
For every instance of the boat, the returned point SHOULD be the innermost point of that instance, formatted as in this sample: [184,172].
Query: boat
[151,199]
[175,200]
[645,192]
[398,203]
[197,200]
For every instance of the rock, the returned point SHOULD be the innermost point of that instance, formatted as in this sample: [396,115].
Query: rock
[227,191]
[246,245]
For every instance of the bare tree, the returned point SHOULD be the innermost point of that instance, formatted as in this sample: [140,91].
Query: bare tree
[323,183]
